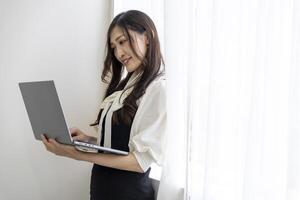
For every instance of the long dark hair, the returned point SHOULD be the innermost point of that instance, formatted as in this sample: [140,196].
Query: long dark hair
[151,65]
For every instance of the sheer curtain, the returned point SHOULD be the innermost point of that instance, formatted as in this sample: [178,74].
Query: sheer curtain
[243,101]
[244,111]
[233,71]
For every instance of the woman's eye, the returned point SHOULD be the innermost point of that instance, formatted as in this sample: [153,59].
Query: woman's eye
[122,42]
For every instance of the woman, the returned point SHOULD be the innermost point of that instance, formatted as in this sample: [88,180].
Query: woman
[132,115]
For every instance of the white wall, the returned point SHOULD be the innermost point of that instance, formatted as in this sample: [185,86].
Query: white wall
[42,40]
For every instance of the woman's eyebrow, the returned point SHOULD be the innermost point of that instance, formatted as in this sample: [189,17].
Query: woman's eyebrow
[118,38]
[111,43]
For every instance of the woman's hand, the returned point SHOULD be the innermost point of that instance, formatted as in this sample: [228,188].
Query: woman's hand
[78,135]
[60,149]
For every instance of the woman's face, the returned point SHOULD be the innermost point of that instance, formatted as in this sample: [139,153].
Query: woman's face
[120,44]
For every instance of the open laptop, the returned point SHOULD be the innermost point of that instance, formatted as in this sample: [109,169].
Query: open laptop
[46,116]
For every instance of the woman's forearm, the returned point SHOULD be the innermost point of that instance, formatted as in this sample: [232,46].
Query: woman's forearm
[92,139]
[128,162]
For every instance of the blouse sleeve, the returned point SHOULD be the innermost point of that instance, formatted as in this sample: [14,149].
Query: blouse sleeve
[149,126]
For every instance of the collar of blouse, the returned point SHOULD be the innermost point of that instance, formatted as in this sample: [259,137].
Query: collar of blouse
[112,103]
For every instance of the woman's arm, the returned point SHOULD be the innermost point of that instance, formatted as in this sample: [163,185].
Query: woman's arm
[128,162]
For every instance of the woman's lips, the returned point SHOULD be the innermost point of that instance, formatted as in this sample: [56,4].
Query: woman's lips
[125,62]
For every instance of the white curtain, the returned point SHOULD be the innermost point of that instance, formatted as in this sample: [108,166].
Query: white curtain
[233,71]
[243,100]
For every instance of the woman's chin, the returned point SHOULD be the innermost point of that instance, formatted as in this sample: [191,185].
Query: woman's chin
[130,69]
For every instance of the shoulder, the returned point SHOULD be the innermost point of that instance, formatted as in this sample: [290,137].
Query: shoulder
[157,86]
[155,91]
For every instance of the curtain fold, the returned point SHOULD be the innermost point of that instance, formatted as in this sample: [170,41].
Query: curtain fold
[173,183]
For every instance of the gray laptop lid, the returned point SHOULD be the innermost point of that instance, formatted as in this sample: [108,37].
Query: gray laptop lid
[44,110]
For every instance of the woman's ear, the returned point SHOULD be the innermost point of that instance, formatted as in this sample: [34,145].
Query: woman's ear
[146,39]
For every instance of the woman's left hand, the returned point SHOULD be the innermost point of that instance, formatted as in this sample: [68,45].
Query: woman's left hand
[60,149]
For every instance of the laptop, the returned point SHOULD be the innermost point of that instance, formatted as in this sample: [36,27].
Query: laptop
[46,116]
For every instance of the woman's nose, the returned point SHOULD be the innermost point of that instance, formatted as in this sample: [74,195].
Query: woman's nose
[119,53]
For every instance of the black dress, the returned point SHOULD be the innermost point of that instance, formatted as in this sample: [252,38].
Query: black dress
[113,184]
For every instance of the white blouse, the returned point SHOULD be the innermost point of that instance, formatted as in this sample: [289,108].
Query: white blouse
[149,124]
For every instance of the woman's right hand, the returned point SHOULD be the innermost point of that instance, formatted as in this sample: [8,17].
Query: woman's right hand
[78,135]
